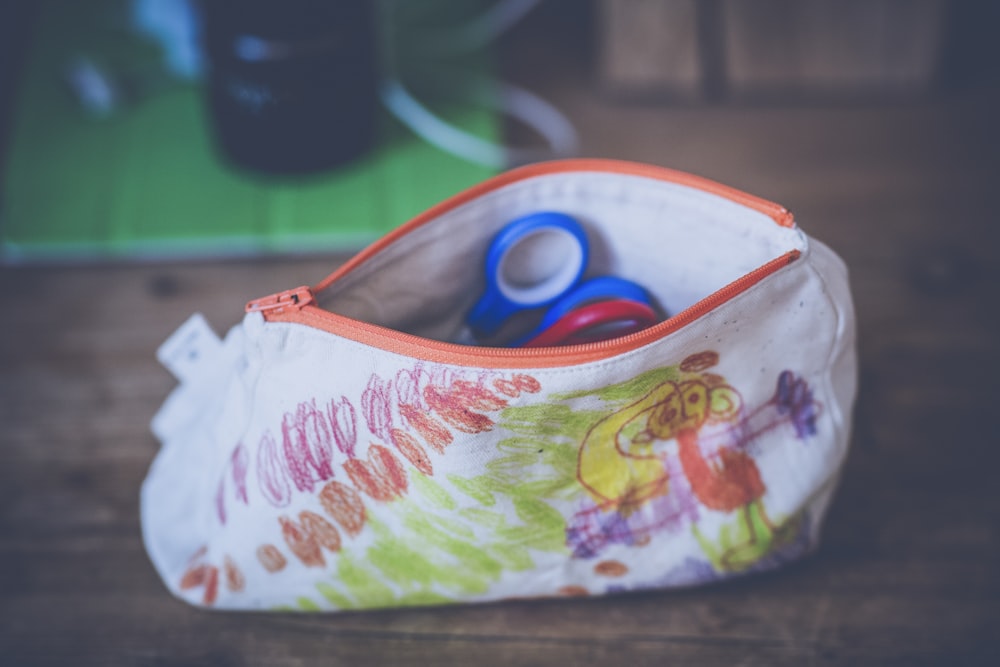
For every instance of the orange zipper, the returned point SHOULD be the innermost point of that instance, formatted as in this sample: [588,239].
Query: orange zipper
[299,306]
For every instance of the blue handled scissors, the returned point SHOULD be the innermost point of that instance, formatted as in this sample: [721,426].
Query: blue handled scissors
[538,261]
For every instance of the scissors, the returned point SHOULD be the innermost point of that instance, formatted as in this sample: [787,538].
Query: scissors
[538,261]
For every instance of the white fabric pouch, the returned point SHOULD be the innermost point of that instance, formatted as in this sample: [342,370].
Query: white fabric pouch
[336,451]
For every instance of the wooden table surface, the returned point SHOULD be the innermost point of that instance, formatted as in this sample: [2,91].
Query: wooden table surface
[908,574]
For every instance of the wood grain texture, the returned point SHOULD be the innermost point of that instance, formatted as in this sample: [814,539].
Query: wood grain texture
[831,46]
[649,45]
[908,571]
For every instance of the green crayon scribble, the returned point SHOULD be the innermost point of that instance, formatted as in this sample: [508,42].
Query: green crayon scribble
[334,597]
[627,391]
[485,518]
[550,420]
[305,604]
[400,563]
[363,585]
[432,491]
[477,488]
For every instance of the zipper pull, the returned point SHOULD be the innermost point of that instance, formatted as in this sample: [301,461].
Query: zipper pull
[289,300]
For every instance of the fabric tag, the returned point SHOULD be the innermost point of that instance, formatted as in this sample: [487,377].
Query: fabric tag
[190,349]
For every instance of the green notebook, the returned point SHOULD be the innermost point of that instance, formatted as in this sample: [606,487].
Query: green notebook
[147,182]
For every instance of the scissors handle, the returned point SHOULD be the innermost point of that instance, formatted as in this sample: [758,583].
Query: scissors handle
[601,288]
[531,263]
[572,328]
[489,313]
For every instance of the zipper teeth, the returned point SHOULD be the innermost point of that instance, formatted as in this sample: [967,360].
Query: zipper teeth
[432,350]
[776,212]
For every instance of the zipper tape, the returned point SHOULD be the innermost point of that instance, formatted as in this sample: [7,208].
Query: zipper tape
[298,305]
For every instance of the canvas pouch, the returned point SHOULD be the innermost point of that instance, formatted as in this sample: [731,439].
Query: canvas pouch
[337,451]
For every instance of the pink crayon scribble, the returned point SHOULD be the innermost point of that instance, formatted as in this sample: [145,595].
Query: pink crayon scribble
[271,475]
[418,410]
[382,477]
[344,422]
[376,406]
[220,500]
[308,446]
[236,468]
[409,386]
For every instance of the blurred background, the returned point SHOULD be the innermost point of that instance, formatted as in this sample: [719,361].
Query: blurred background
[179,128]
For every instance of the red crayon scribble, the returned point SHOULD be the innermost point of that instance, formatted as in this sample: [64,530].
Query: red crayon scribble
[411,449]
[195,576]
[382,477]
[527,383]
[202,575]
[731,483]
[309,536]
[507,387]
[696,363]
[271,558]
[211,586]
[344,422]
[308,446]
[453,407]
[431,430]
[477,396]
[611,568]
[376,406]
[344,505]
[272,479]
[198,555]
[235,581]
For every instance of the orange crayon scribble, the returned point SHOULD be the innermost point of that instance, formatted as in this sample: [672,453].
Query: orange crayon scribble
[527,383]
[344,505]
[454,406]
[271,558]
[730,483]
[411,449]
[309,537]
[574,591]
[195,577]
[696,363]
[198,555]
[431,430]
[202,575]
[507,387]
[235,581]
[211,586]
[611,568]
[382,477]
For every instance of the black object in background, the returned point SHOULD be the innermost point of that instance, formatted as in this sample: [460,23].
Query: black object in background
[291,83]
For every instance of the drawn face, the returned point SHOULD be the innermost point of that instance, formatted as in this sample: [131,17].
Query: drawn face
[690,406]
